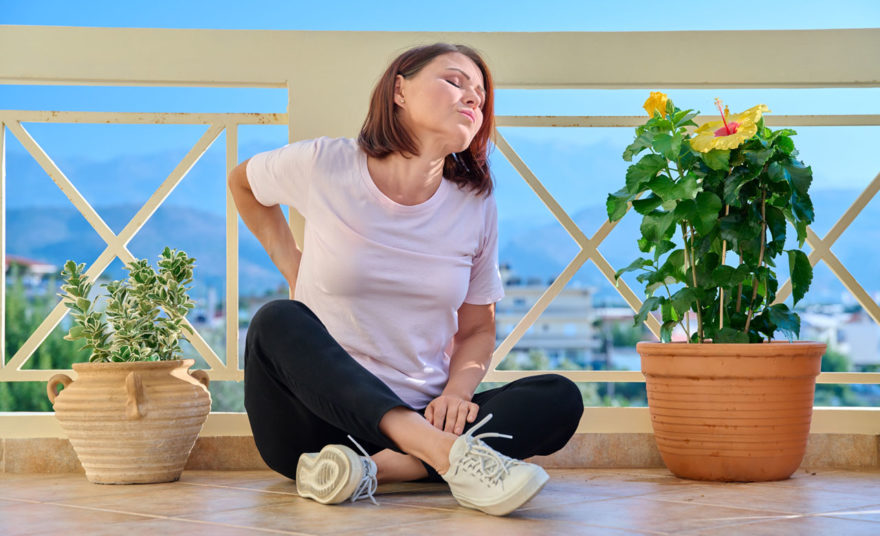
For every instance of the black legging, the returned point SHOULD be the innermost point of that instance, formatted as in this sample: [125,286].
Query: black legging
[303,391]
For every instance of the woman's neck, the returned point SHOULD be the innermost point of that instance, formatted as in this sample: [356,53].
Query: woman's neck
[408,181]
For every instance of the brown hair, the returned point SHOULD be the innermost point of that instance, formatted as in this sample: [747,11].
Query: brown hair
[383,133]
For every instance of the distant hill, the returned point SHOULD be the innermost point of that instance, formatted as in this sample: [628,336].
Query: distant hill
[544,250]
[56,234]
[42,224]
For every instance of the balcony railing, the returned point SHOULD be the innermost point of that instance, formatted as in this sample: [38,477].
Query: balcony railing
[339,68]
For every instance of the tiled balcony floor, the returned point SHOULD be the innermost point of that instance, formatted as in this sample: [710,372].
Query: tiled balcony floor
[575,501]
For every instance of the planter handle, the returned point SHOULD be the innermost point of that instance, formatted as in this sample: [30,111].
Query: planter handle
[134,389]
[201,376]
[51,387]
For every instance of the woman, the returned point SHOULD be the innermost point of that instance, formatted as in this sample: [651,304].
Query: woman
[391,328]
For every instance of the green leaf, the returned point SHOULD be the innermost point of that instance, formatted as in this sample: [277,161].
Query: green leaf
[644,170]
[663,247]
[668,146]
[758,158]
[799,176]
[663,187]
[685,210]
[83,304]
[666,331]
[723,275]
[667,312]
[781,132]
[716,159]
[683,118]
[801,274]
[616,204]
[648,305]
[683,300]
[785,320]
[674,265]
[776,172]
[656,225]
[647,204]
[642,142]
[634,265]
[784,144]
[733,185]
[803,207]
[687,187]
[76,332]
[728,335]
[776,223]
[707,211]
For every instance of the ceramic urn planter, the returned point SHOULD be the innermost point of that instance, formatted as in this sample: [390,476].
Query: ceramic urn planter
[133,422]
[731,412]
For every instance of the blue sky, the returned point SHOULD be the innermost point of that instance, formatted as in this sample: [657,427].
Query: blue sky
[449,15]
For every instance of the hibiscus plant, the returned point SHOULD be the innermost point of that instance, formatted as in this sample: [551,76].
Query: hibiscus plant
[715,203]
[136,331]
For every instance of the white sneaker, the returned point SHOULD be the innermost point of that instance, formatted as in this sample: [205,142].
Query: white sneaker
[483,478]
[335,474]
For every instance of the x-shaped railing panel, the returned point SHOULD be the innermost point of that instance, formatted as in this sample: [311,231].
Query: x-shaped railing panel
[116,245]
[821,247]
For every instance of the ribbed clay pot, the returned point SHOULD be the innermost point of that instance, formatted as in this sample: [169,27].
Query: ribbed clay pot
[731,412]
[134,422]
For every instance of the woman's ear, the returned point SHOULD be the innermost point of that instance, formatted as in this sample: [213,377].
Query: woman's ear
[398,90]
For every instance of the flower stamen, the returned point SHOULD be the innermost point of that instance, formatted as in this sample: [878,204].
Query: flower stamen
[729,128]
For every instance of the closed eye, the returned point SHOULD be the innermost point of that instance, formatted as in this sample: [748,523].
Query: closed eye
[458,86]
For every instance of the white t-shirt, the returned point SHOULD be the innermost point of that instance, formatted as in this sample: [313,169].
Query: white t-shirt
[386,279]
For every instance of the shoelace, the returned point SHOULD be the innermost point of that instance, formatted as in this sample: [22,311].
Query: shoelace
[368,483]
[479,457]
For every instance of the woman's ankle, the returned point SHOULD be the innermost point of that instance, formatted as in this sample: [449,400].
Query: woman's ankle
[393,466]
[416,436]
[440,459]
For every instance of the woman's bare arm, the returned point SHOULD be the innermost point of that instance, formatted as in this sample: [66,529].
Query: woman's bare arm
[267,223]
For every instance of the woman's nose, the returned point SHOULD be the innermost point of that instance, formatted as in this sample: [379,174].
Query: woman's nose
[471,98]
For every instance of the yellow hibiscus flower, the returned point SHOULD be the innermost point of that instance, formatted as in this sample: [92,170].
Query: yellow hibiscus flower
[730,132]
[656,103]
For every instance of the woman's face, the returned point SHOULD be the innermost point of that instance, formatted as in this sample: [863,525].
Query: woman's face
[442,105]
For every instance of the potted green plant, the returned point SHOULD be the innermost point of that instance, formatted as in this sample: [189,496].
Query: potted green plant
[716,201]
[135,411]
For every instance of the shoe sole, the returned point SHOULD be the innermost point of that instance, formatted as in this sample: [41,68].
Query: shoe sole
[327,476]
[513,502]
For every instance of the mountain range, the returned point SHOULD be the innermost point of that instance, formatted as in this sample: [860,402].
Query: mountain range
[42,224]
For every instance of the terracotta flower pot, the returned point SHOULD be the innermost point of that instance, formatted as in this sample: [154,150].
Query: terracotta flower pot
[132,423]
[731,412]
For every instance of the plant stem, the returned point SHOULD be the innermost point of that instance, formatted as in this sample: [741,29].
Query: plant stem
[721,297]
[760,258]
[694,272]
[739,291]
[681,322]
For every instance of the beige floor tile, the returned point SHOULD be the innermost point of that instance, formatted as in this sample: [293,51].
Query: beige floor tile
[178,499]
[834,480]
[50,487]
[157,527]
[867,513]
[575,501]
[765,497]
[304,515]
[233,478]
[641,514]
[796,526]
[487,525]
[26,518]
